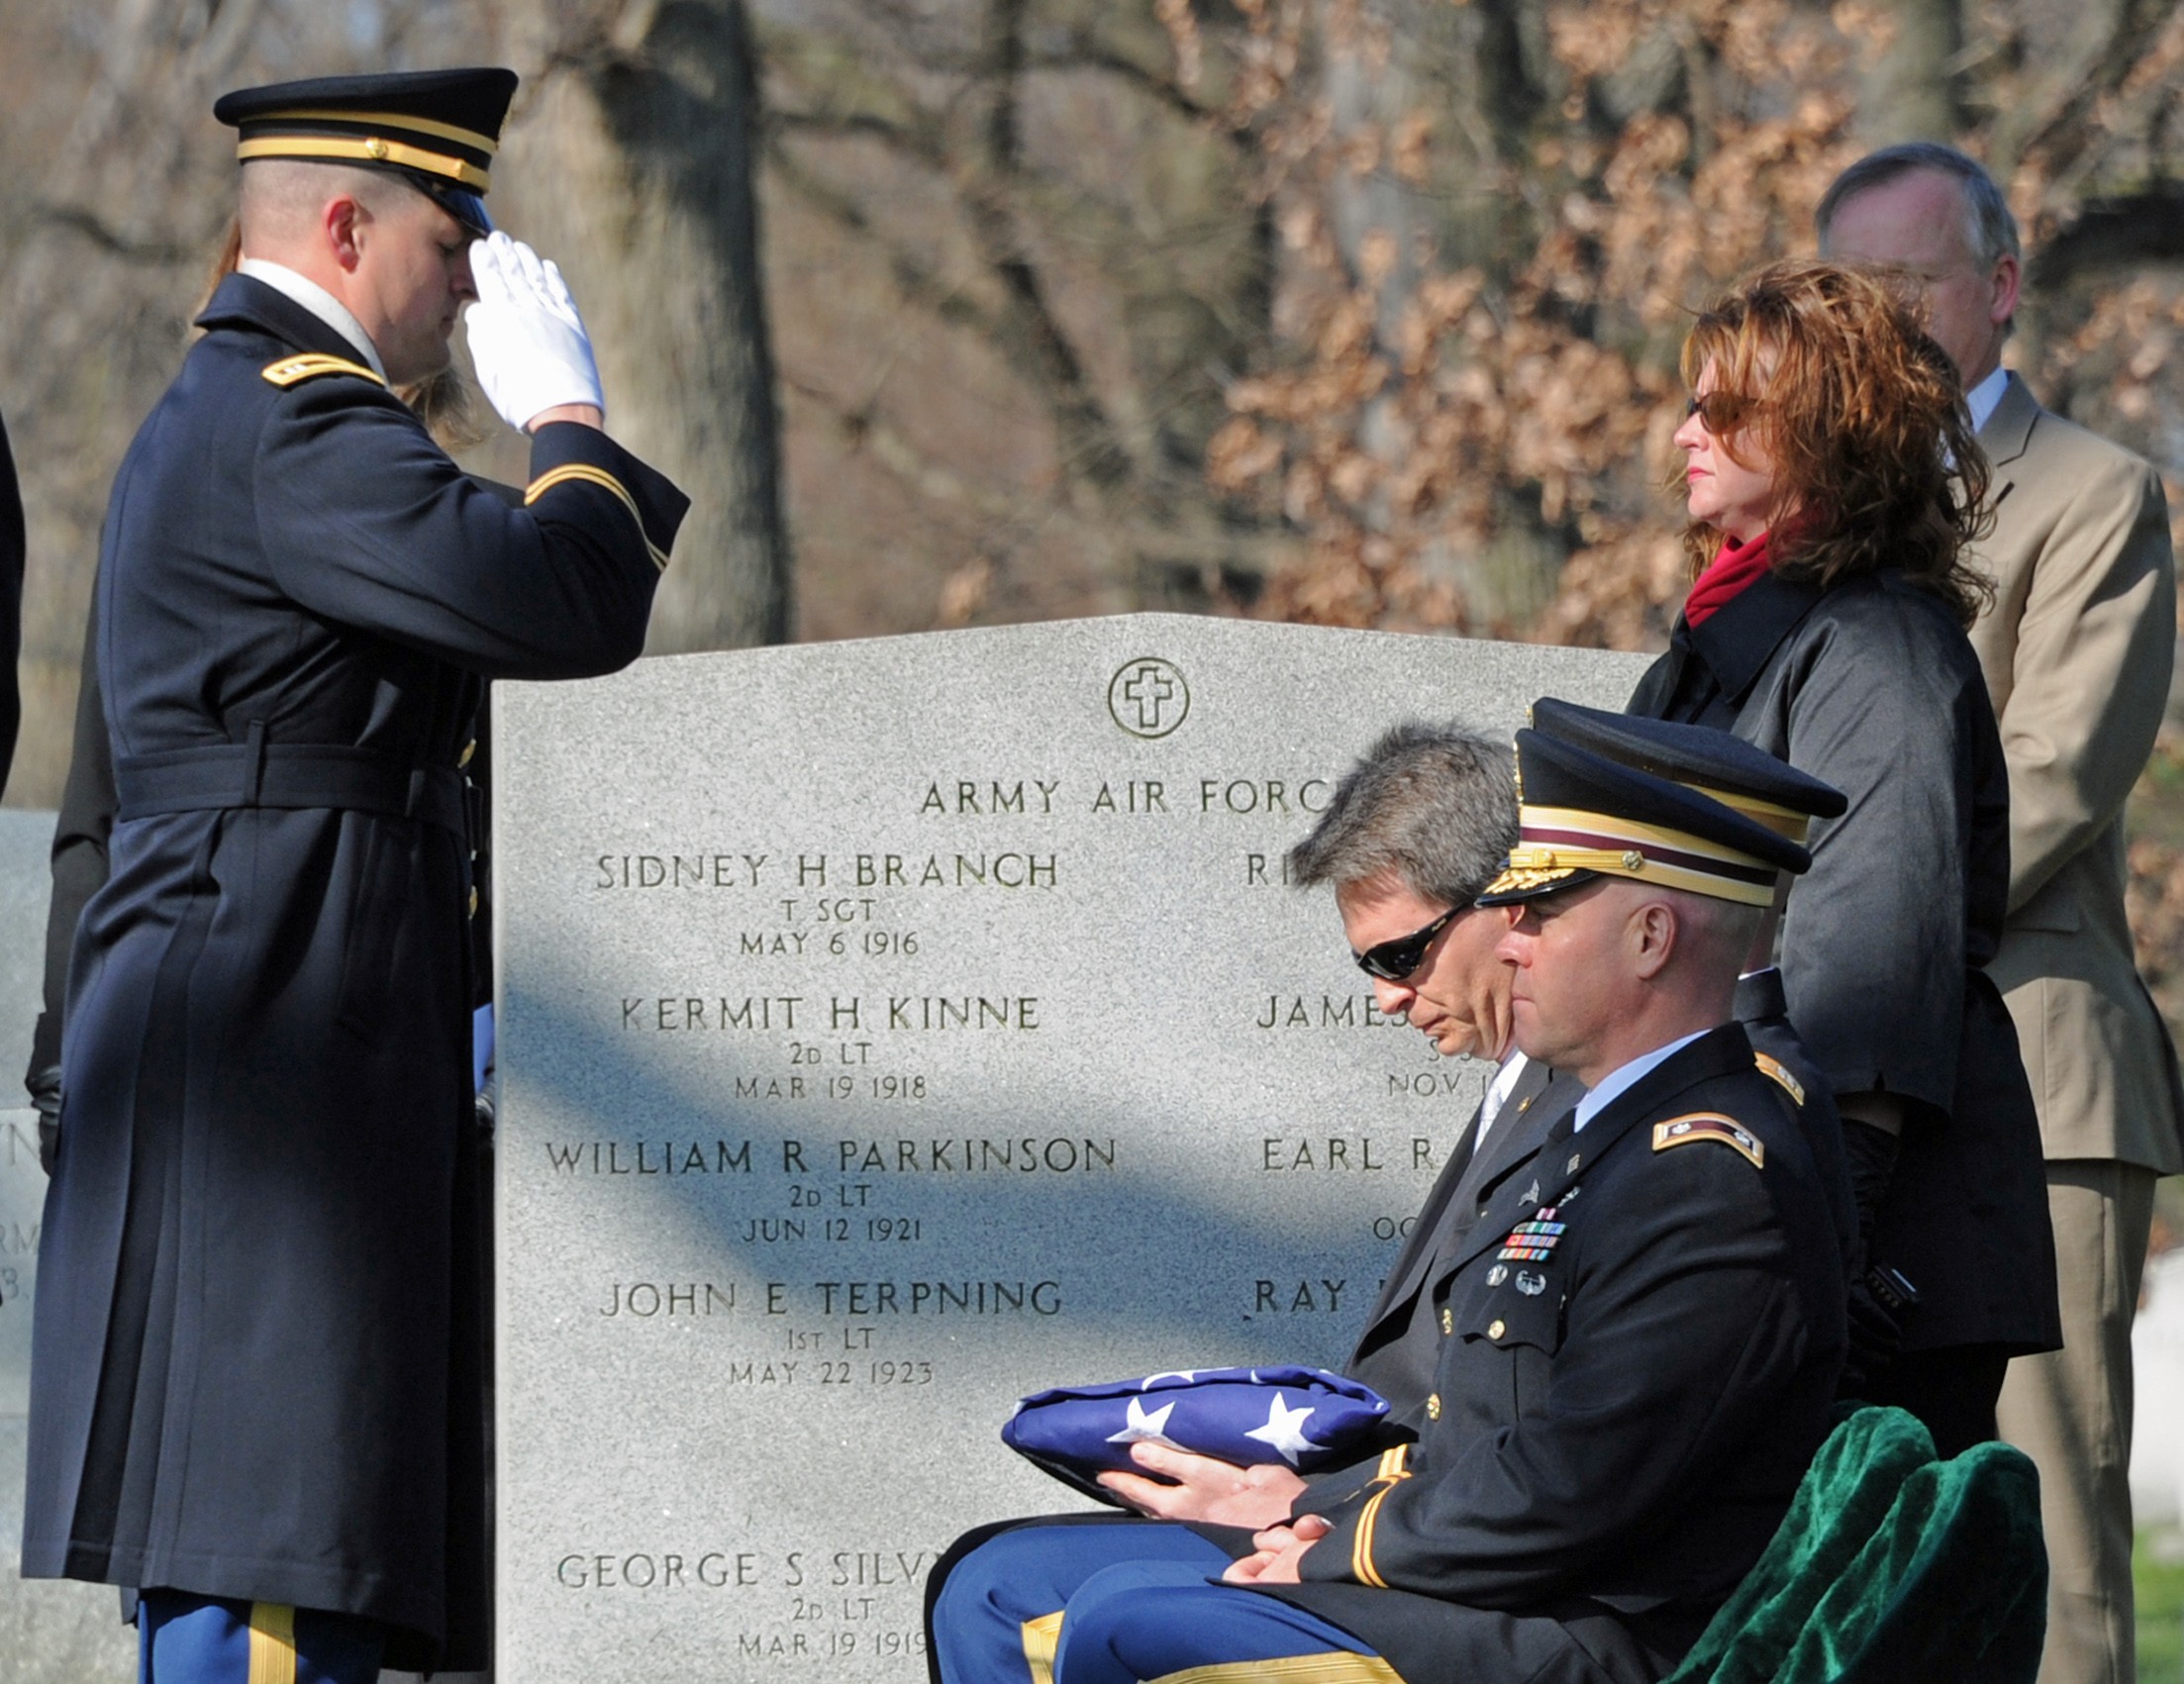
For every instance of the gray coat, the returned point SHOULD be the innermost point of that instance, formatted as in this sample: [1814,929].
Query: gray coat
[1872,686]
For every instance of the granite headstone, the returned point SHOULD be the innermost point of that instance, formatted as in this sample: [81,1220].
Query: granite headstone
[890,1029]
[49,1633]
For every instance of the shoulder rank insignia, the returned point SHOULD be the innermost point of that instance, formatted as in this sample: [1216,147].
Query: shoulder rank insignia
[1710,1126]
[1774,1069]
[294,370]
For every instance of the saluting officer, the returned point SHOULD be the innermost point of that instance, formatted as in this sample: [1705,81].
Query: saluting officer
[254,1389]
[1638,1334]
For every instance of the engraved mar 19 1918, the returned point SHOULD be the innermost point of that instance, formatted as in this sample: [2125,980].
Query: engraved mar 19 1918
[890,1029]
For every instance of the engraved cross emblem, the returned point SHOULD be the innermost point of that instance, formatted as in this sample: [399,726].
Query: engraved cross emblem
[1148,688]
[1148,697]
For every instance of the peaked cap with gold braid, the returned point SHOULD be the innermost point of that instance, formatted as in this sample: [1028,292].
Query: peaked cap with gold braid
[1582,816]
[1736,774]
[436,129]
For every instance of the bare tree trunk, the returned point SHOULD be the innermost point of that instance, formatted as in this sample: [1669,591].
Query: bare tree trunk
[629,161]
[1910,93]
[95,296]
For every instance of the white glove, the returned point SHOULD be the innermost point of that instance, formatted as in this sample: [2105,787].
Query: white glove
[527,341]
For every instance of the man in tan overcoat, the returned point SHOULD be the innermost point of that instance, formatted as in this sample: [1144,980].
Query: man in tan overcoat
[2077,650]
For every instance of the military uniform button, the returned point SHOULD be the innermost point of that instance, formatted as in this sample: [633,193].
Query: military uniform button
[1432,1406]
[1447,1322]
[1495,1329]
[469,749]
[473,903]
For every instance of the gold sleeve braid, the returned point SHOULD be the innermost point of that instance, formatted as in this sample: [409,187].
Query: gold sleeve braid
[586,473]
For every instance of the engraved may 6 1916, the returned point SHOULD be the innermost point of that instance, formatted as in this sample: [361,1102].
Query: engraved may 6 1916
[892,1028]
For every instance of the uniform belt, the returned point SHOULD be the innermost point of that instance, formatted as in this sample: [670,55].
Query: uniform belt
[257,773]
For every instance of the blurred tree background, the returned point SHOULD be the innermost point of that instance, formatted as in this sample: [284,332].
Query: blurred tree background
[1362,311]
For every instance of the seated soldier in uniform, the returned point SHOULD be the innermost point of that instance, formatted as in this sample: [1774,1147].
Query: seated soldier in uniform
[1638,1334]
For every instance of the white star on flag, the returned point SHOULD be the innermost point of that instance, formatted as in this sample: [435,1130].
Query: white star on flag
[1284,1430]
[1186,1375]
[1140,1426]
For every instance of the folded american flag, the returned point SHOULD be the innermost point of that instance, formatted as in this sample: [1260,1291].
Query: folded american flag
[1306,1418]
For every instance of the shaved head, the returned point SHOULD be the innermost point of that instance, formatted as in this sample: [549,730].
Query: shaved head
[1716,934]
[282,198]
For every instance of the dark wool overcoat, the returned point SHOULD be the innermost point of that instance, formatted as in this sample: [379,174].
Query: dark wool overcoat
[1874,688]
[255,1354]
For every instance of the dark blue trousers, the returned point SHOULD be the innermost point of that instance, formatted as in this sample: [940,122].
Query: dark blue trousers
[185,1639]
[1126,1604]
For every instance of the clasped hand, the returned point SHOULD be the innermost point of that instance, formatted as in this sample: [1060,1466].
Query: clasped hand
[1276,1551]
[1192,1487]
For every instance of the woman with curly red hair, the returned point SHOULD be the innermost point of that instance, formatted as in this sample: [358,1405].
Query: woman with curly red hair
[1833,483]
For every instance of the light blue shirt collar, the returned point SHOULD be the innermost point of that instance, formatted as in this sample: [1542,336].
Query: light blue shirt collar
[1624,1076]
[1983,398]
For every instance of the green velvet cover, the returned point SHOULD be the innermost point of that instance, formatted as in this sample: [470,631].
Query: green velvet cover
[1891,1568]
[1841,1501]
[1952,1586]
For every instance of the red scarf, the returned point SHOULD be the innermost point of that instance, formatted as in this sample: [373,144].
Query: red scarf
[1736,567]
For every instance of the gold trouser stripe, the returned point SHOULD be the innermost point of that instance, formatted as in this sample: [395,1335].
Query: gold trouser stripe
[371,150]
[546,483]
[398,121]
[1042,1637]
[272,1644]
[1335,1666]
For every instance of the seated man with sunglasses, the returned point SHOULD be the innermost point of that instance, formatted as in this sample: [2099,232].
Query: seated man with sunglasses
[1611,1397]
[1413,833]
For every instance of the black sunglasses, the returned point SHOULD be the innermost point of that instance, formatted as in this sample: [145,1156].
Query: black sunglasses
[1722,413]
[1394,961]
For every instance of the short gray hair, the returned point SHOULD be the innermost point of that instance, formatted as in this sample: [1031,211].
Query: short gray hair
[1432,806]
[1989,228]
